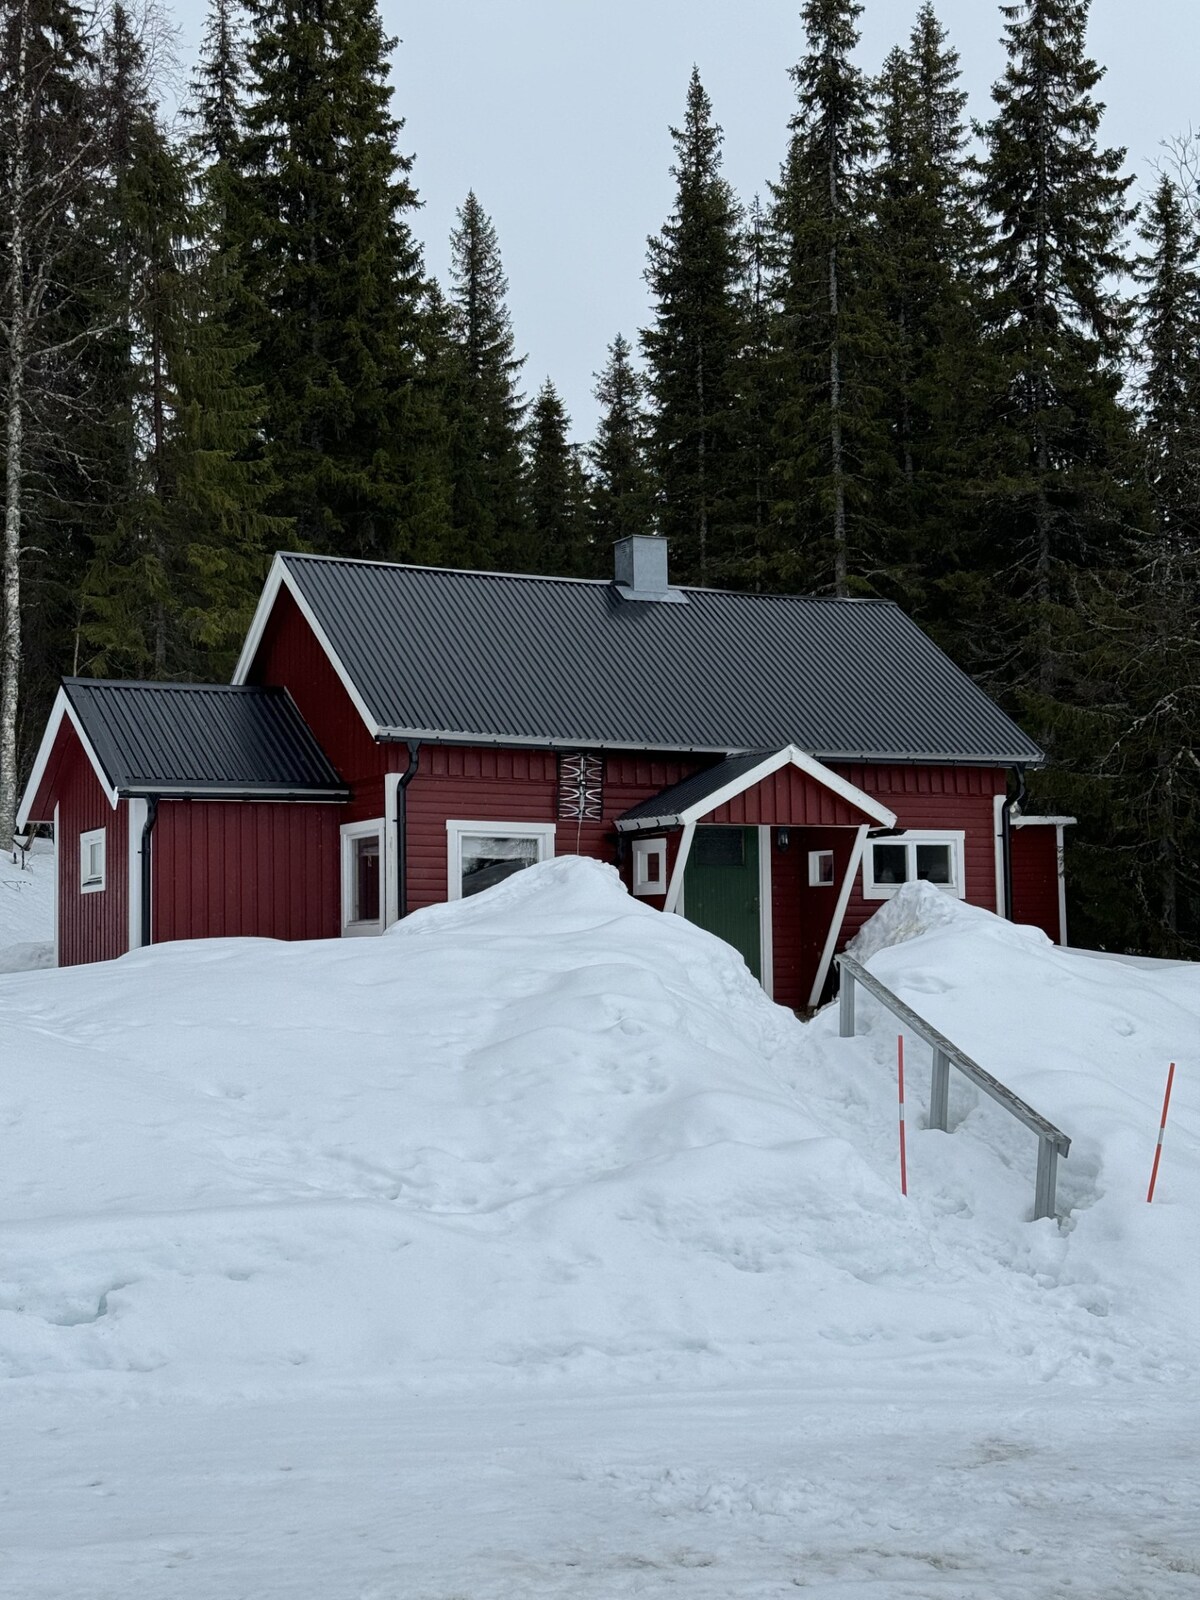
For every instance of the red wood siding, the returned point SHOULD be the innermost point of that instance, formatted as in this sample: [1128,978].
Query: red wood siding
[91,927]
[788,796]
[1035,878]
[226,870]
[801,913]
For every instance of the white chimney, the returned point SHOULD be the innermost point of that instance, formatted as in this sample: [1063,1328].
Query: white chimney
[640,569]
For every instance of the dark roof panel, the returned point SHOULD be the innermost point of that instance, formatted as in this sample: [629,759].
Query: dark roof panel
[494,658]
[200,738]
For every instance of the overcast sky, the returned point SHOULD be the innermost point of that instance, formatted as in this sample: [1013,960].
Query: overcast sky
[556,113]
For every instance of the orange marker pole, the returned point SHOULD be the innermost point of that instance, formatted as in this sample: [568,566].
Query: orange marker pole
[903,1152]
[1162,1128]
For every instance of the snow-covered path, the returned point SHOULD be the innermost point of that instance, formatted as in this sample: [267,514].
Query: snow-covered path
[971,1494]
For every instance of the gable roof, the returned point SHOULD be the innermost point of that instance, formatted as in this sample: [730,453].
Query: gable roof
[702,793]
[493,658]
[187,739]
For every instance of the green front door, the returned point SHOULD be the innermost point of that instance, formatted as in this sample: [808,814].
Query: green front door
[720,889]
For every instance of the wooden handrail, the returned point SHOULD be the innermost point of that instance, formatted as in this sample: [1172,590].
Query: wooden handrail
[1052,1142]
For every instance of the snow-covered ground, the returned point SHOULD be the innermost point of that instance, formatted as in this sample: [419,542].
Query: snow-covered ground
[27,909]
[529,1250]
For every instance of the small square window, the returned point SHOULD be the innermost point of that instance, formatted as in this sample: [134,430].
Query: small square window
[649,866]
[820,868]
[936,858]
[91,861]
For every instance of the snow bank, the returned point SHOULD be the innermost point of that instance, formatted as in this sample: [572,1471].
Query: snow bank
[27,910]
[549,1133]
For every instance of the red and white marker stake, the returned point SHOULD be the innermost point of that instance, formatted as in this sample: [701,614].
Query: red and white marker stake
[903,1152]
[1162,1128]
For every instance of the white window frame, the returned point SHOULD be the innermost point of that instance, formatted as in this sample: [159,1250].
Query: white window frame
[911,838]
[351,833]
[649,866]
[94,836]
[815,880]
[456,830]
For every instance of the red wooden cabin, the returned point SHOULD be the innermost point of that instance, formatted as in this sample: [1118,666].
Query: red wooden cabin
[771,767]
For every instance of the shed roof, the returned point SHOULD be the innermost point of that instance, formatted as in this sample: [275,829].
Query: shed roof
[495,658]
[206,740]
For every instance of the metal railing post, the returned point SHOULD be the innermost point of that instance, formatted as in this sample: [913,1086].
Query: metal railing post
[1047,1178]
[846,1005]
[939,1091]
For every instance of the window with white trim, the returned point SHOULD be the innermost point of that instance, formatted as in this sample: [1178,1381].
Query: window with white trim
[820,869]
[91,861]
[480,854]
[649,866]
[913,857]
[362,878]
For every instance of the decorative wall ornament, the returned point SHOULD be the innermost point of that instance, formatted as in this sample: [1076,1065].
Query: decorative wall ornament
[580,787]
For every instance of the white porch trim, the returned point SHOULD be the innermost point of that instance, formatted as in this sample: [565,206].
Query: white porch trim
[675,888]
[839,913]
[766,927]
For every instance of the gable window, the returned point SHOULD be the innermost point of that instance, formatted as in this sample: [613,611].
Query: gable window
[649,866]
[913,858]
[480,854]
[362,877]
[91,861]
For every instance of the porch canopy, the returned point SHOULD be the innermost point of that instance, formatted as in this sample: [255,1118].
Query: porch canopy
[782,788]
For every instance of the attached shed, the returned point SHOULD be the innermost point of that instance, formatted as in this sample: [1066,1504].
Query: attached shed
[185,811]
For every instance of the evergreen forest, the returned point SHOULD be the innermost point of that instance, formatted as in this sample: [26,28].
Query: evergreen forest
[950,362]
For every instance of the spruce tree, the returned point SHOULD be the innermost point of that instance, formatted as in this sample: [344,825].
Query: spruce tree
[692,351]
[621,491]
[556,490]
[930,237]
[1147,647]
[334,284]
[486,411]
[762,561]
[180,556]
[1057,331]
[831,446]
[218,86]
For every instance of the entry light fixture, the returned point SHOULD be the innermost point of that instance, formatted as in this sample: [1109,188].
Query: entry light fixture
[783,838]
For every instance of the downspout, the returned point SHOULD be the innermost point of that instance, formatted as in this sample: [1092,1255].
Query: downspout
[1006,810]
[147,830]
[406,777]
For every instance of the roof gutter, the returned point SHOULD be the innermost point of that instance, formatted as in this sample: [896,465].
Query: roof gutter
[183,791]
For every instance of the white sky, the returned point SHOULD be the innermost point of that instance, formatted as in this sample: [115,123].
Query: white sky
[556,113]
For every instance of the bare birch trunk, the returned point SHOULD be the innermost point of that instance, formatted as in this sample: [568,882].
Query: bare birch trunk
[10,647]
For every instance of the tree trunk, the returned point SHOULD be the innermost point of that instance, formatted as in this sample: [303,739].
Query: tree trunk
[10,646]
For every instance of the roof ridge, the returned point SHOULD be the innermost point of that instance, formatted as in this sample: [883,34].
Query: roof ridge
[592,583]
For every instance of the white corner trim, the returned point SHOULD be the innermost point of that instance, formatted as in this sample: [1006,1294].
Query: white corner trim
[137,821]
[1062,879]
[58,885]
[766,928]
[61,708]
[391,849]
[817,770]
[280,578]
[675,887]
[839,916]
[998,842]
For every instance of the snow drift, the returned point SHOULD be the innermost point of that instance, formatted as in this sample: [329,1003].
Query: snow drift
[549,1132]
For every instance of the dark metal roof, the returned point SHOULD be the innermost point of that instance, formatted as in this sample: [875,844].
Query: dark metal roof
[667,805]
[496,658]
[196,738]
